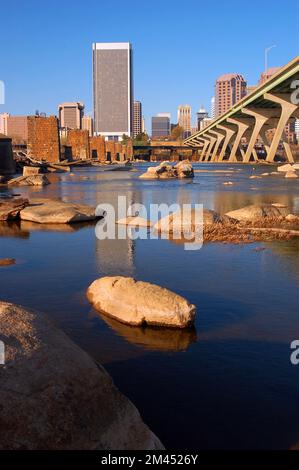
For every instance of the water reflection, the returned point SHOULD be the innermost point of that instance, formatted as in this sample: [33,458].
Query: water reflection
[157,339]
[13,229]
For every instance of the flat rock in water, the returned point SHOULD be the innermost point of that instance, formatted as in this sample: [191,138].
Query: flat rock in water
[179,222]
[138,303]
[135,221]
[10,208]
[285,168]
[57,212]
[259,211]
[291,174]
[33,180]
[54,396]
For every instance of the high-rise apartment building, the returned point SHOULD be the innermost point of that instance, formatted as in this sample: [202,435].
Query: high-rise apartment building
[229,89]
[3,123]
[87,125]
[112,89]
[161,125]
[268,74]
[137,122]
[184,119]
[70,115]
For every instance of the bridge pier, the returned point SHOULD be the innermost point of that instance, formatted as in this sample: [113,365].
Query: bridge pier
[242,127]
[287,109]
[220,136]
[229,132]
[204,148]
[211,145]
[261,117]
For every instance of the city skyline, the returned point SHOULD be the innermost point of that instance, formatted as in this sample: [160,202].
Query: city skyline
[68,76]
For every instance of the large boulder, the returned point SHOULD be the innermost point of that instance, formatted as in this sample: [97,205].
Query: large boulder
[140,303]
[54,396]
[163,171]
[53,211]
[181,222]
[259,211]
[10,208]
[184,169]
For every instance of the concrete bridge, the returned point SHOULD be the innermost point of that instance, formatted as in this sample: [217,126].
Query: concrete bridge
[169,150]
[270,106]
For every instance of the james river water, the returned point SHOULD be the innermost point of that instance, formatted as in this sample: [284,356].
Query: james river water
[230,383]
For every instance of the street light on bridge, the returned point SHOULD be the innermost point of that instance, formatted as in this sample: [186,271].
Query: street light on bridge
[266,55]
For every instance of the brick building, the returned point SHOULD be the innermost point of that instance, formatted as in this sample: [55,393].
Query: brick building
[43,138]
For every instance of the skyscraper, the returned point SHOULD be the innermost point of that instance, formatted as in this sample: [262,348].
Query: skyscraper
[70,115]
[201,115]
[3,123]
[230,88]
[112,89]
[87,124]
[161,125]
[213,113]
[137,123]
[184,118]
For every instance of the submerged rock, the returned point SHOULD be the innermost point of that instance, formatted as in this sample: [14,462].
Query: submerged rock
[259,211]
[54,396]
[7,261]
[53,211]
[138,303]
[10,208]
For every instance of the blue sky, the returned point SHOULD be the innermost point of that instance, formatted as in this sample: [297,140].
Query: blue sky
[179,48]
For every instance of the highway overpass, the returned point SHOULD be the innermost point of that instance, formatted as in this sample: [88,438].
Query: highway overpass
[270,106]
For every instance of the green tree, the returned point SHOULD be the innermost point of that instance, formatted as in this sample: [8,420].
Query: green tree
[141,139]
[177,133]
